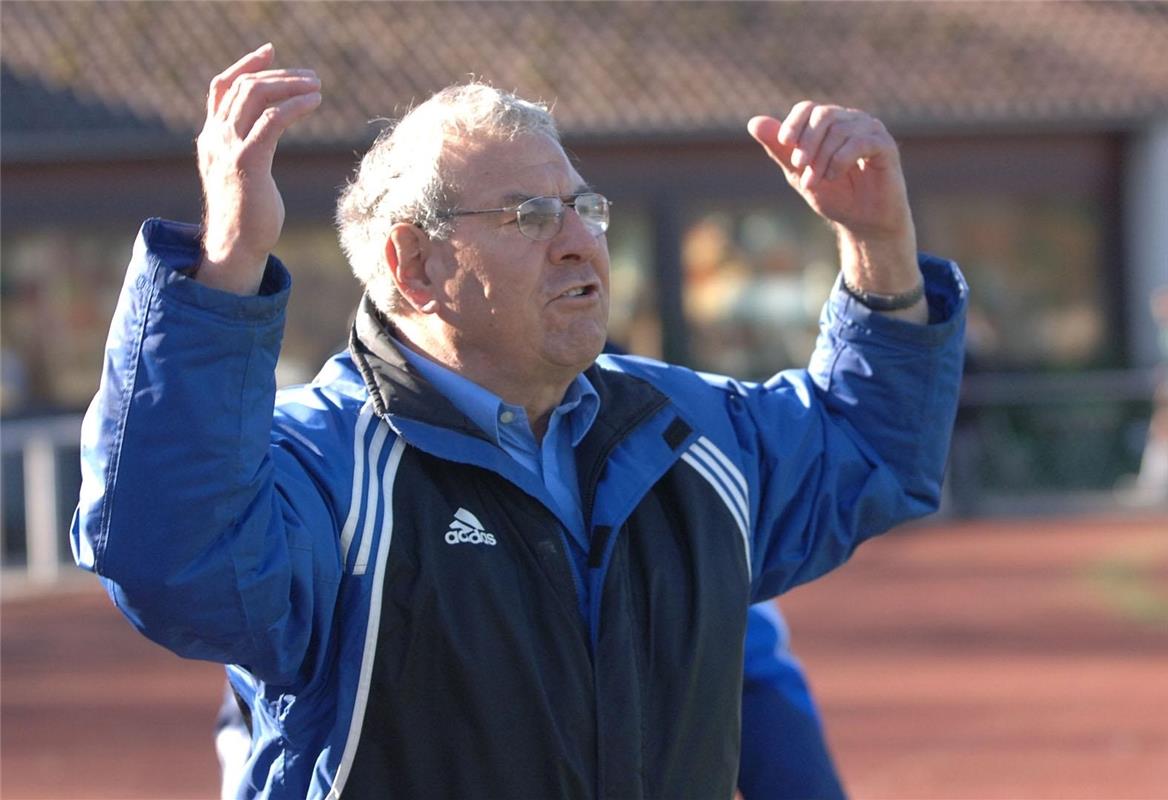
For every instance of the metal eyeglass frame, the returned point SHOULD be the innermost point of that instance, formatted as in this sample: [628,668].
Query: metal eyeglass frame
[595,225]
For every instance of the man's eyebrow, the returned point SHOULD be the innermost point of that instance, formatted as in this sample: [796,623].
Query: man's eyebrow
[515,198]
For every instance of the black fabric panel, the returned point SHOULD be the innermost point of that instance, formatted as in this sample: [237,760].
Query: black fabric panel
[679,576]
[482,682]
[676,432]
[600,536]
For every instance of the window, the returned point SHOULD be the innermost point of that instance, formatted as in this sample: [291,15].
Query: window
[324,296]
[634,322]
[754,279]
[58,289]
[1036,265]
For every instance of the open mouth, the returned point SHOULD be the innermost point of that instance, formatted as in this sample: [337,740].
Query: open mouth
[580,291]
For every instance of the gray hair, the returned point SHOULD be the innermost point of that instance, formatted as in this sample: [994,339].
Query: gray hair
[402,177]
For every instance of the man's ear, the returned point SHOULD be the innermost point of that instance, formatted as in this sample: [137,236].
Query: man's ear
[407,251]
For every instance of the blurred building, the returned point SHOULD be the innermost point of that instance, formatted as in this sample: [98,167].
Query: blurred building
[1034,135]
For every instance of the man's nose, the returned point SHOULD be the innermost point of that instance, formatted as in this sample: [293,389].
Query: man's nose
[575,242]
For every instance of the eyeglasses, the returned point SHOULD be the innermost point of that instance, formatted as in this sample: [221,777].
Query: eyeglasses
[541,218]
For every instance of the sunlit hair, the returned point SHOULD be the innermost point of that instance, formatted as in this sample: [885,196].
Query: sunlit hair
[404,178]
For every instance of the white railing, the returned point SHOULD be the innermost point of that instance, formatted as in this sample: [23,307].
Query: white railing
[38,442]
[48,477]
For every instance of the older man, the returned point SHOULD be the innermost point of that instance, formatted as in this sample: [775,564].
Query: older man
[473,559]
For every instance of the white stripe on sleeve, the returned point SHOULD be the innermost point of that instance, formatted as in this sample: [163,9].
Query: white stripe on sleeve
[735,512]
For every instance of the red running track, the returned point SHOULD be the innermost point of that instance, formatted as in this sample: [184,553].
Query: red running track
[1023,659]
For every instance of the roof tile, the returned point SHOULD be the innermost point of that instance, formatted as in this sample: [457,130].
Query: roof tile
[617,69]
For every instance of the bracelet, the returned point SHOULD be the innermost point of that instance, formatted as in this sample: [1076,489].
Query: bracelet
[884,302]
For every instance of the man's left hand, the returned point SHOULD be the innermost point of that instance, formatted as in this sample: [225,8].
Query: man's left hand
[843,162]
[846,166]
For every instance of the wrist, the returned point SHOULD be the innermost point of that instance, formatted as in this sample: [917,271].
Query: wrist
[229,270]
[884,266]
[884,302]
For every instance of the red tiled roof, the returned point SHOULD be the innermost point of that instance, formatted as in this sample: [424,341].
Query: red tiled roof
[128,71]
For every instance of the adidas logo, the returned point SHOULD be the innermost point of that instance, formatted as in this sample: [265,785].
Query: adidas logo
[466,528]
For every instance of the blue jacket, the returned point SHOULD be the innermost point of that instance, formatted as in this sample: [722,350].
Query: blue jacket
[395,592]
[784,752]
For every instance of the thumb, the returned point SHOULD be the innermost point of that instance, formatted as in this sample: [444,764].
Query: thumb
[765,131]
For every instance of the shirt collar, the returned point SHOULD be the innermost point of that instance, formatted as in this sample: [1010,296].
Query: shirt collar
[580,405]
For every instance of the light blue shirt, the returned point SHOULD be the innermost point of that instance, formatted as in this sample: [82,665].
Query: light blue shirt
[553,460]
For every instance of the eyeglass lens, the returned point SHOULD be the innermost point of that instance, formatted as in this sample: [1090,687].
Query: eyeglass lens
[541,218]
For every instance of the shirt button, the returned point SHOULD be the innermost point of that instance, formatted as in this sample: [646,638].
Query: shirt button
[507,417]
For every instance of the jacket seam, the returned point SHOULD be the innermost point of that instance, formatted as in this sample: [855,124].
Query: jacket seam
[837,353]
[144,285]
[641,690]
[237,468]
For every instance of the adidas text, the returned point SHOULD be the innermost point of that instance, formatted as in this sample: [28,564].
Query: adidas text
[473,537]
[465,528]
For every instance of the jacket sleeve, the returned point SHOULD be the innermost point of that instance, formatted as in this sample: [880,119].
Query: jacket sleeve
[207,535]
[856,443]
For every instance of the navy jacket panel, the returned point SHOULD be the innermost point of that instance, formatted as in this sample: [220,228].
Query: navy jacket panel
[481,685]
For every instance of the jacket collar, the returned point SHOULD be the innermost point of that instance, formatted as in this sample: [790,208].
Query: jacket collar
[397,390]
[394,386]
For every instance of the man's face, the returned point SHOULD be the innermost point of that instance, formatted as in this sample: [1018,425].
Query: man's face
[515,306]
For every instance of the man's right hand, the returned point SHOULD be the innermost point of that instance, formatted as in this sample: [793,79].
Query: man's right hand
[249,107]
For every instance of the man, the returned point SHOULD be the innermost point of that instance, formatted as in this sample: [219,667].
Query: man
[472,559]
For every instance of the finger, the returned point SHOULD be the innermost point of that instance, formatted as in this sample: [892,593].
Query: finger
[795,122]
[870,149]
[793,129]
[276,119]
[836,137]
[765,131]
[255,60]
[237,92]
[867,139]
[254,95]
[819,124]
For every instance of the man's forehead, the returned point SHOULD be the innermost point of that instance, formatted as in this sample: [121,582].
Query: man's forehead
[514,170]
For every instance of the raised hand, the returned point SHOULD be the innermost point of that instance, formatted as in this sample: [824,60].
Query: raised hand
[249,106]
[847,168]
